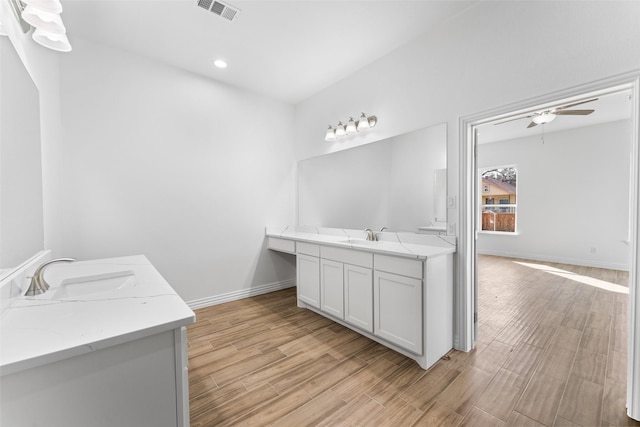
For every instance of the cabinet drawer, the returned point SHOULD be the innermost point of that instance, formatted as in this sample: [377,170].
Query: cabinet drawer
[282,245]
[403,266]
[308,249]
[347,256]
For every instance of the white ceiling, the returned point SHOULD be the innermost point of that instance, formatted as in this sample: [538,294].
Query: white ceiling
[608,108]
[288,50]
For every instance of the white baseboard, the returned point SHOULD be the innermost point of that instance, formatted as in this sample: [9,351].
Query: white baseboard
[243,293]
[560,260]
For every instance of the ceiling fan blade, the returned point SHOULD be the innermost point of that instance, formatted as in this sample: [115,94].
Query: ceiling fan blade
[573,112]
[576,103]
[532,124]
[511,120]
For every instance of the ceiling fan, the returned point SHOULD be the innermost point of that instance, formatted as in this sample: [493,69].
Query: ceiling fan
[546,116]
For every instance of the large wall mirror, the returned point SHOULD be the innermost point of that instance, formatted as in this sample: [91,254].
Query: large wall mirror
[21,217]
[399,183]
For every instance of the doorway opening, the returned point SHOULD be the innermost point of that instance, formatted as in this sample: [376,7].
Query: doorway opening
[589,274]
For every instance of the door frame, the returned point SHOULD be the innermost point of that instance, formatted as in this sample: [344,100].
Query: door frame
[466,287]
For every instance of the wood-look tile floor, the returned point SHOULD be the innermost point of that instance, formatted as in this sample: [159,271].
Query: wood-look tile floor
[551,351]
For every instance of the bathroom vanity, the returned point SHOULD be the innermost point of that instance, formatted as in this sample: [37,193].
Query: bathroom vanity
[104,346]
[397,290]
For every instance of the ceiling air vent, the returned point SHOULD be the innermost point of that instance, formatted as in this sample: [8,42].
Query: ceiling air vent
[224,10]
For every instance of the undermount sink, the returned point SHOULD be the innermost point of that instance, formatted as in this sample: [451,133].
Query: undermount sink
[96,285]
[361,242]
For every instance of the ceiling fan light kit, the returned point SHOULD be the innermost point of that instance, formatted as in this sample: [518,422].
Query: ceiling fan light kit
[547,116]
[544,118]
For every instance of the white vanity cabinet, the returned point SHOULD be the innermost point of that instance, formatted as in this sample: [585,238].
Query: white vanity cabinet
[346,287]
[398,294]
[358,297]
[398,310]
[332,288]
[308,273]
[114,353]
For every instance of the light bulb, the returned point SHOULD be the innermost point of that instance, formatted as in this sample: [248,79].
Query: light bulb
[340,130]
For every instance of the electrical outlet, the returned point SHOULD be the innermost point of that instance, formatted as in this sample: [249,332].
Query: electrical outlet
[451,202]
[451,229]
[593,250]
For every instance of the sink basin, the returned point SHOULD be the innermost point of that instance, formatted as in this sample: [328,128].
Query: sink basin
[96,285]
[361,242]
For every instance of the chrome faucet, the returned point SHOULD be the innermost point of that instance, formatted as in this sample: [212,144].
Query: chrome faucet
[376,235]
[38,285]
[370,235]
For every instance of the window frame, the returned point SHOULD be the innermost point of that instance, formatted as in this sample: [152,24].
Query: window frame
[499,207]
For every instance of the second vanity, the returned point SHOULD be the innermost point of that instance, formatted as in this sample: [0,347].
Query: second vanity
[397,290]
[104,346]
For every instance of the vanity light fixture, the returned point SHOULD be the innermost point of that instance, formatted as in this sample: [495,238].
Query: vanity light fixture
[44,17]
[351,128]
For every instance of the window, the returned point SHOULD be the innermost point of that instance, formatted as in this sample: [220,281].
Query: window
[499,184]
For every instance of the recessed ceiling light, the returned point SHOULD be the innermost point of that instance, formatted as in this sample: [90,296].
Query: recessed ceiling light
[220,63]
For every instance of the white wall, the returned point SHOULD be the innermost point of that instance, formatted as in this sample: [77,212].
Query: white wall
[495,54]
[184,170]
[573,195]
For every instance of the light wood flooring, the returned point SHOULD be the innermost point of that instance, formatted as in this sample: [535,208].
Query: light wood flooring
[551,352]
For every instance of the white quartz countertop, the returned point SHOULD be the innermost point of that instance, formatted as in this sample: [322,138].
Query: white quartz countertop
[412,245]
[80,316]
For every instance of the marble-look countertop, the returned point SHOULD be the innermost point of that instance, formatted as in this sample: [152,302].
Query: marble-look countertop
[57,325]
[412,245]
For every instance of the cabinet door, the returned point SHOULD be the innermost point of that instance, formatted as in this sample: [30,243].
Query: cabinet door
[308,279]
[358,296]
[331,288]
[398,310]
